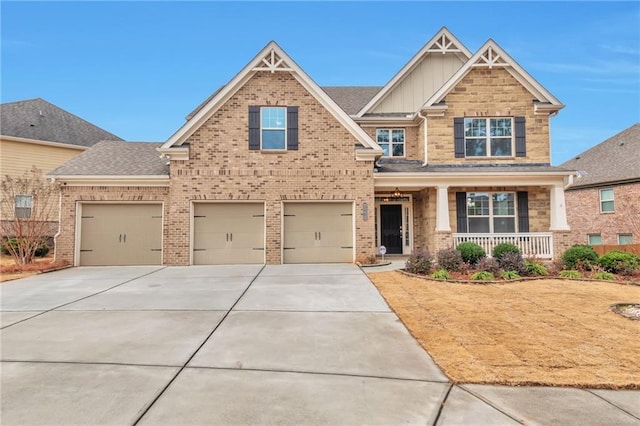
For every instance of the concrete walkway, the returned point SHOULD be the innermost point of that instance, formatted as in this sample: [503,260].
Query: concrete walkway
[289,344]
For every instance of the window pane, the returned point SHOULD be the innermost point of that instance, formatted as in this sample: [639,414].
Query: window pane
[500,127]
[478,204]
[503,204]
[24,201]
[476,147]
[273,139]
[500,147]
[504,224]
[382,136]
[385,148]
[475,127]
[595,239]
[397,135]
[398,150]
[606,194]
[479,225]
[607,206]
[625,239]
[273,118]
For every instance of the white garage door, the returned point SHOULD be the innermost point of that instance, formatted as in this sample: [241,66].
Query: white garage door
[121,234]
[228,233]
[318,233]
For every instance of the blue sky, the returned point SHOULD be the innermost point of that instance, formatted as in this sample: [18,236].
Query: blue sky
[138,68]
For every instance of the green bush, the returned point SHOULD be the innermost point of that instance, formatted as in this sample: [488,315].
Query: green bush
[510,275]
[571,274]
[536,269]
[441,274]
[619,262]
[483,276]
[488,264]
[449,259]
[504,248]
[607,276]
[579,256]
[471,252]
[420,262]
[41,251]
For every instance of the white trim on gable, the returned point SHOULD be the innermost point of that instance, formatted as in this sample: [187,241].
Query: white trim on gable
[443,42]
[270,59]
[491,55]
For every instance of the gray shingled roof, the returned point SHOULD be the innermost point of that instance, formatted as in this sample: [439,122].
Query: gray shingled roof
[40,120]
[617,159]
[352,98]
[114,158]
[415,166]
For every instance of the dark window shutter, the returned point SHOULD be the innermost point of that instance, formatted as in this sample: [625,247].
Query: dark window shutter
[461,212]
[521,140]
[458,137]
[292,128]
[523,211]
[254,127]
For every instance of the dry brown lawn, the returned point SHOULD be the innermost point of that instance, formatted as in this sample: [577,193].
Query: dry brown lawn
[10,271]
[544,332]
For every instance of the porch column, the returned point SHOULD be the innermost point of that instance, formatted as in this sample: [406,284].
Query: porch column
[442,209]
[558,209]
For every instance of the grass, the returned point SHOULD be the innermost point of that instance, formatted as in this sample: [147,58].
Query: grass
[10,271]
[542,332]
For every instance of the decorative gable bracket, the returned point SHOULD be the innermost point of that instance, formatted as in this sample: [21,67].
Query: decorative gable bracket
[491,58]
[272,62]
[444,44]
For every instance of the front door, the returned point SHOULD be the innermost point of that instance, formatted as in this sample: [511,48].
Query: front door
[391,227]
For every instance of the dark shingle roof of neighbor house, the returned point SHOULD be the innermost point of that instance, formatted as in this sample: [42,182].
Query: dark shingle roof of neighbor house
[115,158]
[40,120]
[615,160]
[415,166]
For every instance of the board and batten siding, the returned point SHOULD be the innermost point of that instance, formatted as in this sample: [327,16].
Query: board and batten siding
[422,82]
[16,158]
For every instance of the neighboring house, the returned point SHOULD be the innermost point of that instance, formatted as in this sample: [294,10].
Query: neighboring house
[273,168]
[603,203]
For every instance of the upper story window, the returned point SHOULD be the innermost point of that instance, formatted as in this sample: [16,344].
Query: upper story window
[491,212]
[23,206]
[273,128]
[488,137]
[391,141]
[606,200]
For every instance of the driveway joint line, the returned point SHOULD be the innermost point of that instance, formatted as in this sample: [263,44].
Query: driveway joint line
[442,403]
[313,311]
[181,368]
[121,364]
[85,297]
[491,404]
[611,403]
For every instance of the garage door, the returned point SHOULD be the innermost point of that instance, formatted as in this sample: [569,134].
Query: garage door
[228,233]
[318,233]
[121,234]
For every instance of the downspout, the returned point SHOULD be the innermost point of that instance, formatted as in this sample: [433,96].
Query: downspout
[55,237]
[426,152]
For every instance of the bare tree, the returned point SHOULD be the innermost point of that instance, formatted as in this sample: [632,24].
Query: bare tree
[29,208]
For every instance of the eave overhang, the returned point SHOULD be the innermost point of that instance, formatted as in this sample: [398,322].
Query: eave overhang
[106,180]
[174,153]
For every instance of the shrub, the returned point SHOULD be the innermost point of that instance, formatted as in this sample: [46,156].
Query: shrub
[41,251]
[504,248]
[483,276]
[370,259]
[619,262]
[420,262]
[536,269]
[449,259]
[579,255]
[510,275]
[441,274]
[488,264]
[571,273]
[471,252]
[512,262]
[607,276]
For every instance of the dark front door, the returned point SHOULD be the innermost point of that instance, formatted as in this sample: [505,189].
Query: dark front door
[391,227]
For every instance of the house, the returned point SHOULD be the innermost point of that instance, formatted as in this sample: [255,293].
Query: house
[36,133]
[273,168]
[603,203]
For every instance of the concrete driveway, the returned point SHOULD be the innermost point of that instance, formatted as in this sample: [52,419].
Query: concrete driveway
[287,344]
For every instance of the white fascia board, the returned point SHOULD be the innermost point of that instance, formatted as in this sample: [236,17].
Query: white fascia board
[409,66]
[106,180]
[416,181]
[174,153]
[46,143]
[368,154]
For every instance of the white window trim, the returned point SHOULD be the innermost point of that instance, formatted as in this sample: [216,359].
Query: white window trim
[30,205]
[391,143]
[613,198]
[274,128]
[488,137]
[491,216]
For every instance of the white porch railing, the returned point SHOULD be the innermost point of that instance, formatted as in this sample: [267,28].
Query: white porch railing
[531,244]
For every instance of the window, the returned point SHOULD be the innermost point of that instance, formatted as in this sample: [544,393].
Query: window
[391,141]
[488,137]
[23,206]
[625,239]
[594,239]
[491,212]
[606,200]
[273,128]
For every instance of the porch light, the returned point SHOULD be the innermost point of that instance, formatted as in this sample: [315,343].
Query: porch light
[396,193]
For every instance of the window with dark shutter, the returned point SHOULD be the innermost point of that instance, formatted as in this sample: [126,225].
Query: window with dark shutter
[254,127]
[458,137]
[523,211]
[461,212]
[521,143]
[292,128]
